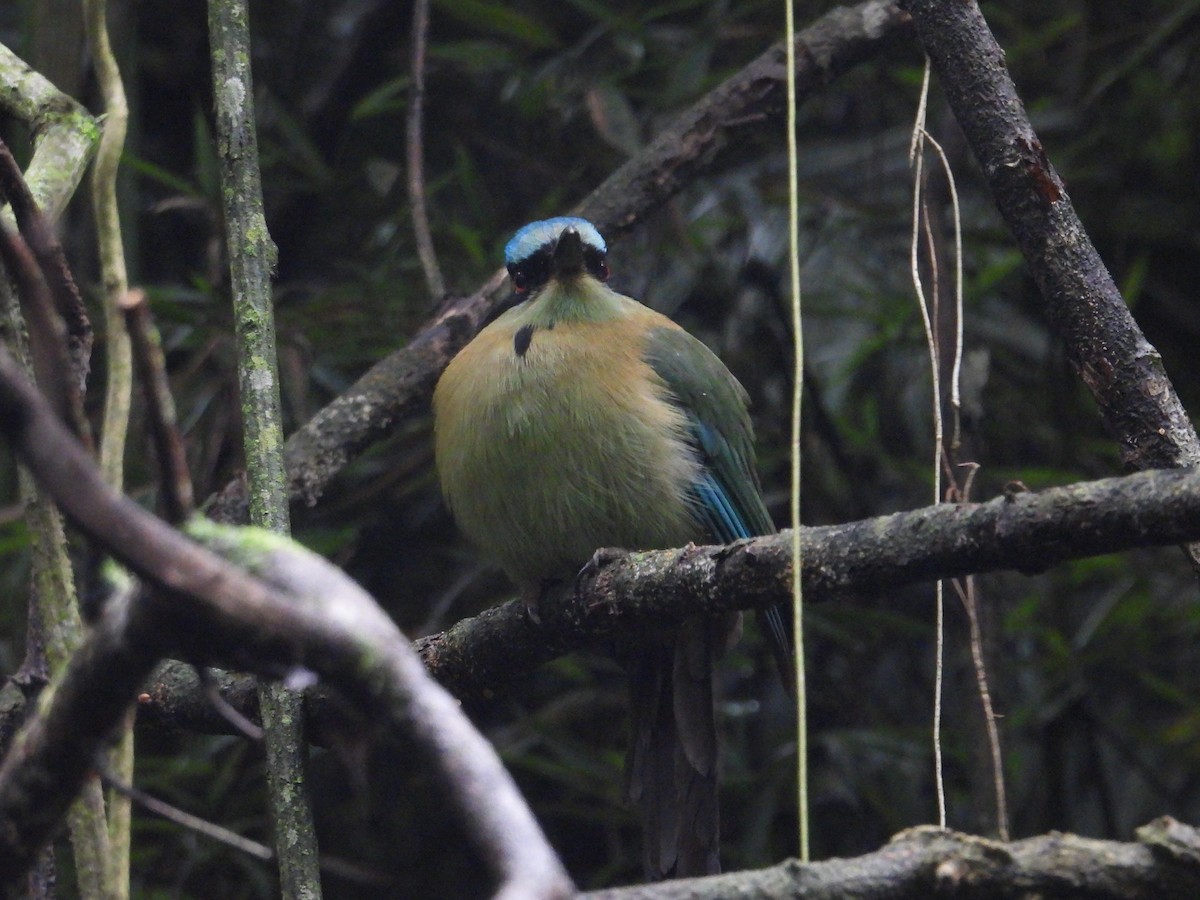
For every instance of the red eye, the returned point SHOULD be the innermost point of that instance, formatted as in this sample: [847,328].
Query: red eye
[602,270]
[519,279]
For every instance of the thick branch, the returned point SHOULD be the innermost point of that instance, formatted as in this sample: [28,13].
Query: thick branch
[298,611]
[1028,532]
[65,134]
[1119,366]
[694,144]
[927,862]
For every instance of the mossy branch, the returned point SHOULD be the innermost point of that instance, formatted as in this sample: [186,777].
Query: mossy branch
[251,264]
[65,137]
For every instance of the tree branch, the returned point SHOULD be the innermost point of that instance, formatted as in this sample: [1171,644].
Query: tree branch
[65,134]
[1138,404]
[1028,532]
[925,862]
[697,142]
[295,610]
[252,256]
[39,234]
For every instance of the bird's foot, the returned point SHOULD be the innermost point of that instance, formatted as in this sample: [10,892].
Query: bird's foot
[531,598]
[601,558]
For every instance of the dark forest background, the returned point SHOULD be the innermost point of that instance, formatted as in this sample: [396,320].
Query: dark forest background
[1095,666]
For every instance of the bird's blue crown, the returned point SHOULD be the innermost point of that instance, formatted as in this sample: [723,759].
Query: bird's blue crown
[536,234]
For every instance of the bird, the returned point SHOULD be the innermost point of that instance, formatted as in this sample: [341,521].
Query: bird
[577,419]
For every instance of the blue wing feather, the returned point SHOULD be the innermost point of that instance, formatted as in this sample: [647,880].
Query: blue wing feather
[716,512]
[726,495]
[716,508]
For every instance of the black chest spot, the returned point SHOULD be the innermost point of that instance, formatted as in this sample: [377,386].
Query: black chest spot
[522,339]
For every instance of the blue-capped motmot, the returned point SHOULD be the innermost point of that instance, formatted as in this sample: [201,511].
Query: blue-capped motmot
[581,419]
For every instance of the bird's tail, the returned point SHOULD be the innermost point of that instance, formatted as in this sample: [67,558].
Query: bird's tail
[776,621]
[672,764]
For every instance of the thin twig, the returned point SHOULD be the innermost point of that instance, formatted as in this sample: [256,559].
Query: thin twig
[175,482]
[225,709]
[415,148]
[968,593]
[956,371]
[196,824]
[966,588]
[797,394]
[214,832]
[38,233]
[916,156]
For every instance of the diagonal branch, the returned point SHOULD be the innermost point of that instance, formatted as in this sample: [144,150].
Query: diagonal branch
[1125,374]
[928,862]
[1028,532]
[699,141]
[44,243]
[295,610]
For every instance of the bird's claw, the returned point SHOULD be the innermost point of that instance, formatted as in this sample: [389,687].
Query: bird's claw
[592,567]
[531,598]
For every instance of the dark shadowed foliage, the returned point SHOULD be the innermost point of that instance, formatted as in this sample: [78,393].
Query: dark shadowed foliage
[1095,665]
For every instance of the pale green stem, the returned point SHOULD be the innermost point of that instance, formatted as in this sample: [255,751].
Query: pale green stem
[797,394]
[65,137]
[119,386]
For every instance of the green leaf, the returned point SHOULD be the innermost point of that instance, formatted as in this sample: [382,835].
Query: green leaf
[500,21]
[389,97]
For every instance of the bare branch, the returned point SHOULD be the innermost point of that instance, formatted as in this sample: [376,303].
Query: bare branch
[698,142]
[183,819]
[415,148]
[175,482]
[35,228]
[1125,374]
[1028,532]
[298,611]
[51,365]
[929,862]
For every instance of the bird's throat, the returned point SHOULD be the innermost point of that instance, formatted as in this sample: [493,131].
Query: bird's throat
[582,299]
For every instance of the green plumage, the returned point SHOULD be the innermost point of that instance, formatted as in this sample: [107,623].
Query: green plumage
[547,455]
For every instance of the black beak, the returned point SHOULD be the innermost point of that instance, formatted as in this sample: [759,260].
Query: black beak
[568,254]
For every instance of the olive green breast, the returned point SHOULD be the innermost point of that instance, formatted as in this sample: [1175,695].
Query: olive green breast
[553,441]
